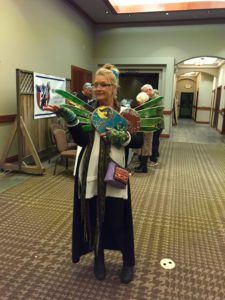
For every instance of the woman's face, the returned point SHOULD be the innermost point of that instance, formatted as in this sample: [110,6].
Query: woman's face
[103,90]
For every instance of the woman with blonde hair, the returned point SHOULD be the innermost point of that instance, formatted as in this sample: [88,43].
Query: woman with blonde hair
[102,216]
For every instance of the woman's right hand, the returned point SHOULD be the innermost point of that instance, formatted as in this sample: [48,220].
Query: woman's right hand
[53,108]
[68,115]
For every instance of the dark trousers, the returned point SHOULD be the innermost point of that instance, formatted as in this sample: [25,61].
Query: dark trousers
[155,145]
[116,233]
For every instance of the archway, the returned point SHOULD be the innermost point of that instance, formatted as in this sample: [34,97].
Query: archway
[204,78]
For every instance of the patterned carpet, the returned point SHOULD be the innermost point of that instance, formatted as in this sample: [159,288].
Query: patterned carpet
[179,213]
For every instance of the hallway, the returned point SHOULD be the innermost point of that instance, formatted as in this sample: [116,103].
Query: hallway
[187,131]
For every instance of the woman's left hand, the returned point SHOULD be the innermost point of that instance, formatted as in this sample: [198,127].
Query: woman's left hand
[115,137]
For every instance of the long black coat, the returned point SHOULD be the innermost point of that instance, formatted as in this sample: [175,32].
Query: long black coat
[118,225]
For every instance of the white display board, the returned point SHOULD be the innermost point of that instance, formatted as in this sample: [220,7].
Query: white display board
[44,87]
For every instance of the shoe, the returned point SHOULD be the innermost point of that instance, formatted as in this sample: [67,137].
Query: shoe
[141,170]
[99,267]
[127,274]
[153,163]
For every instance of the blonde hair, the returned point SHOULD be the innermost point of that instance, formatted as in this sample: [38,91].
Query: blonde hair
[142,97]
[111,73]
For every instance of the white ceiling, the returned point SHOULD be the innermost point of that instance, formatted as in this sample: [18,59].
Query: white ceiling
[95,11]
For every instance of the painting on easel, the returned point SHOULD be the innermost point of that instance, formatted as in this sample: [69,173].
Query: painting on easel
[44,87]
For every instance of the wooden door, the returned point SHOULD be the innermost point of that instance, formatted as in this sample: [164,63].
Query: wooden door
[78,77]
[223,128]
[217,107]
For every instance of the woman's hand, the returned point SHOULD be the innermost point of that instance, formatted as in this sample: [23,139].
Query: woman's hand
[115,137]
[53,108]
[68,115]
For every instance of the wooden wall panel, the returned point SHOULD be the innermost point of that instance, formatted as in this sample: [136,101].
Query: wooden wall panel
[37,128]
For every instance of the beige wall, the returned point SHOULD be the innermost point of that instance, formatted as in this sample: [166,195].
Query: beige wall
[41,36]
[180,42]
[205,90]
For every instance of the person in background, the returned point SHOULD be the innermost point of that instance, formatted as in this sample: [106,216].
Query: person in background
[145,151]
[86,93]
[102,215]
[148,89]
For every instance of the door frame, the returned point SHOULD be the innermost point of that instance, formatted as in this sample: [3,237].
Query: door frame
[78,77]
[196,105]
[216,108]
[190,93]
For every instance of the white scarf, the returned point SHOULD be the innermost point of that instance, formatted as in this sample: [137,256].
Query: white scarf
[118,155]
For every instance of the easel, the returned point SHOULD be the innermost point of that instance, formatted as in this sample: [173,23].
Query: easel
[33,135]
[21,165]
[20,128]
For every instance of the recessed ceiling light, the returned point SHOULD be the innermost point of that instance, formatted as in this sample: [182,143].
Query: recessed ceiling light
[134,6]
[167,14]
[106,11]
[201,61]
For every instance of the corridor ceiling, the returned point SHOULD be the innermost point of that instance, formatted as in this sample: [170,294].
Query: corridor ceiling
[101,12]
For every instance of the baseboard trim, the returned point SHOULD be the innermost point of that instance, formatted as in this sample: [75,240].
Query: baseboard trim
[7,118]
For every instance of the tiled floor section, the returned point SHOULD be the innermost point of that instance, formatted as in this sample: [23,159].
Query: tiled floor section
[10,179]
[188,131]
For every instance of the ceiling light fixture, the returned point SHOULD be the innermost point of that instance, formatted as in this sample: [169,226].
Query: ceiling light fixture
[134,6]
[199,61]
